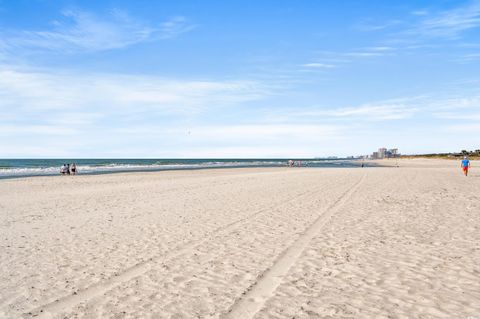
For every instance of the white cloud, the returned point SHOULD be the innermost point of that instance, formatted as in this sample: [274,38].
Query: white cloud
[41,104]
[33,129]
[430,106]
[74,114]
[395,109]
[452,22]
[368,26]
[381,48]
[377,111]
[470,57]
[374,51]
[363,54]
[420,13]
[318,65]
[244,140]
[277,132]
[43,90]
[454,103]
[465,128]
[239,132]
[174,27]
[84,31]
[458,116]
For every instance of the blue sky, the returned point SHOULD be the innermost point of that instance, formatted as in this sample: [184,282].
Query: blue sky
[238,78]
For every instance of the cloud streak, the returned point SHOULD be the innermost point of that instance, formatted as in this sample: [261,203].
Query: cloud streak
[395,109]
[81,31]
[45,103]
[370,27]
[174,27]
[316,65]
[451,23]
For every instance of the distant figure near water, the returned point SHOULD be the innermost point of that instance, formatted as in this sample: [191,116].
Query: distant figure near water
[73,168]
[465,165]
[68,169]
[291,163]
[64,169]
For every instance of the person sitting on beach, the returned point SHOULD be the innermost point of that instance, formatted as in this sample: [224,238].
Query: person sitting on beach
[465,165]
[73,169]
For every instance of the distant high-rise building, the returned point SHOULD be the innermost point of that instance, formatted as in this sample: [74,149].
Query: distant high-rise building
[382,152]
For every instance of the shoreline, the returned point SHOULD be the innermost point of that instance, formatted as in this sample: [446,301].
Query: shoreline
[350,164]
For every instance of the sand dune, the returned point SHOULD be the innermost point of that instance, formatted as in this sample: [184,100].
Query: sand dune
[244,243]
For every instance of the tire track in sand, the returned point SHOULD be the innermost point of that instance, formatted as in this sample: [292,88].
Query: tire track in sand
[66,302]
[255,297]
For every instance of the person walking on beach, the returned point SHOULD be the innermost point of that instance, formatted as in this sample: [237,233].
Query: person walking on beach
[465,165]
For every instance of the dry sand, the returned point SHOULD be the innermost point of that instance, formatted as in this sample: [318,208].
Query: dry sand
[382,242]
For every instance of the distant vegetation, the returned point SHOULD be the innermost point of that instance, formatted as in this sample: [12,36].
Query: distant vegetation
[471,154]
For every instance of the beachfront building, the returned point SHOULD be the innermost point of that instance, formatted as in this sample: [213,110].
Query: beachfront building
[384,153]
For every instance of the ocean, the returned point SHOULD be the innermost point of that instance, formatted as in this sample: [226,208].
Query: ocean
[41,167]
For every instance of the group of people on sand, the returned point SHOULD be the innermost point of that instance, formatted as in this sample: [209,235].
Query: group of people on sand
[68,169]
[291,163]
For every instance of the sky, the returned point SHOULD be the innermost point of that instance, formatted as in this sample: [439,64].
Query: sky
[237,79]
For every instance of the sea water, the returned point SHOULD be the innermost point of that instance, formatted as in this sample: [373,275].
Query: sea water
[41,167]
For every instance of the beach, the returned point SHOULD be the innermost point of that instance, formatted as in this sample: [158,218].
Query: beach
[373,242]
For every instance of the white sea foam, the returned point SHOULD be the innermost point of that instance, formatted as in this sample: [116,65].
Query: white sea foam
[110,168]
[104,166]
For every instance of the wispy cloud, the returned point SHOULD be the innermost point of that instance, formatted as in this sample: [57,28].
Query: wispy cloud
[363,54]
[90,114]
[29,129]
[377,112]
[260,139]
[174,27]
[420,12]
[429,106]
[330,59]
[381,49]
[470,57]
[465,128]
[78,100]
[317,65]
[422,28]
[84,31]
[450,23]
[374,51]
[458,116]
[455,103]
[368,26]
[393,109]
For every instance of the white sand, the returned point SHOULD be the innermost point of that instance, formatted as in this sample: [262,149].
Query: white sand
[240,243]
